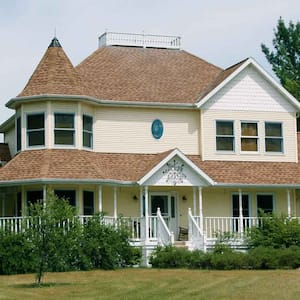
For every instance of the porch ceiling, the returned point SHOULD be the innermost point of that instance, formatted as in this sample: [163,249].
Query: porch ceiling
[62,164]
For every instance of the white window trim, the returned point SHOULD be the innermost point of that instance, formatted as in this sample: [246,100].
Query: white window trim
[233,136]
[272,137]
[91,132]
[33,130]
[65,129]
[257,137]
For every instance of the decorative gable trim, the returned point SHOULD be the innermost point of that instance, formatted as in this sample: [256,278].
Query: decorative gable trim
[173,170]
[250,61]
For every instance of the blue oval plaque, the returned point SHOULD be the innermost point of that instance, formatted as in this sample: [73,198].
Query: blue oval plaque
[157,129]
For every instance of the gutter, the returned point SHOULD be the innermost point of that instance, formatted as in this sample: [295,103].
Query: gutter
[12,102]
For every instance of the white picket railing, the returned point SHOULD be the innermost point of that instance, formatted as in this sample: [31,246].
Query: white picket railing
[196,236]
[164,236]
[139,40]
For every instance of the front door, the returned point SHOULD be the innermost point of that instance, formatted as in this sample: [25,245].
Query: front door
[167,204]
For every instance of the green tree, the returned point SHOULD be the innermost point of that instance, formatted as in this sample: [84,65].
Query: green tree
[285,57]
[54,232]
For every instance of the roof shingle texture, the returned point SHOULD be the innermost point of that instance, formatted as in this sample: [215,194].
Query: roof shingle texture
[124,74]
[54,74]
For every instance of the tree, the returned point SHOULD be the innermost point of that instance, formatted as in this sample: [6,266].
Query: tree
[285,58]
[54,231]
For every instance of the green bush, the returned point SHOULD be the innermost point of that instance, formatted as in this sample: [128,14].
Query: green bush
[276,232]
[107,247]
[170,257]
[16,255]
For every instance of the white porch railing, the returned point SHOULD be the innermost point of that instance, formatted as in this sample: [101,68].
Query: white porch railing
[164,236]
[196,236]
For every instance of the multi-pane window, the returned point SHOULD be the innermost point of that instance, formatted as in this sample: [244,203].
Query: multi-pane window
[64,129]
[35,130]
[249,136]
[273,137]
[224,136]
[87,131]
[88,203]
[18,134]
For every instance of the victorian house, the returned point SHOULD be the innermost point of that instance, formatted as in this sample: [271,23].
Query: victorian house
[146,130]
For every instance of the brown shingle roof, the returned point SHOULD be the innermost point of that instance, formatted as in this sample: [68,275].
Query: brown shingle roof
[54,74]
[85,165]
[146,75]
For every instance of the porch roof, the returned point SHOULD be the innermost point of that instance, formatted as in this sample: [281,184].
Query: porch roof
[61,165]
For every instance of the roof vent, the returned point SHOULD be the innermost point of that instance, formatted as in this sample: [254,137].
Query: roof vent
[139,40]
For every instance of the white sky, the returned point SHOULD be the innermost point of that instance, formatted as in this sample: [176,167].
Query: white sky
[221,32]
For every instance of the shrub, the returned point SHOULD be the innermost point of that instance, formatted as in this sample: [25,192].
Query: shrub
[106,246]
[276,232]
[16,254]
[170,257]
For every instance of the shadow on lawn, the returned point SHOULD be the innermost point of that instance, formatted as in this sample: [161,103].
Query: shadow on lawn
[43,285]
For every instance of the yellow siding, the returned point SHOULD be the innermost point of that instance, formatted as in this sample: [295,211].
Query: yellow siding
[209,118]
[128,130]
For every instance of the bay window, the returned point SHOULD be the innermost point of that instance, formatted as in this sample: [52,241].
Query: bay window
[35,130]
[64,129]
[87,131]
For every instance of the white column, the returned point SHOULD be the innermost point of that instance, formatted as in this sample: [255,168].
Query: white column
[200,207]
[115,203]
[24,204]
[241,211]
[146,215]
[141,202]
[44,195]
[100,198]
[288,192]
[194,201]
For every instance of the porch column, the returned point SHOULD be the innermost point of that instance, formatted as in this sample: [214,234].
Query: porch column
[146,215]
[44,195]
[100,198]
[24,204]
[288,194]
[200,207]
[241,211]
[115,203]
[194,201]
[141,202]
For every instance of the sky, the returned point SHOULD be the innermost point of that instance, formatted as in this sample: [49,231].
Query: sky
[221,32]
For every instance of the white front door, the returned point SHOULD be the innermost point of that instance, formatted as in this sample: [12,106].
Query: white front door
[167,204]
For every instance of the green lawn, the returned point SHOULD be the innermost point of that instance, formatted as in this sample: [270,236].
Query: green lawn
[156,284]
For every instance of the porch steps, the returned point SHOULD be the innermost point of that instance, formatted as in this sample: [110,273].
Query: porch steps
[180,244]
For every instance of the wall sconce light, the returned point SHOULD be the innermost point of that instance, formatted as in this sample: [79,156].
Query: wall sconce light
[184,198]
[135,198]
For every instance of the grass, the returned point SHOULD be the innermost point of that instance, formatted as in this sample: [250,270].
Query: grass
[155,284]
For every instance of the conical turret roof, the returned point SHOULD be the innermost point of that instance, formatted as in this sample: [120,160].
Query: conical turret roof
[54,74]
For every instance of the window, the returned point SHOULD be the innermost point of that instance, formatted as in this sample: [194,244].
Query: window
[18,133]
[265,203]
[224,136]
[64,129]
[87,132]
[34,196]
[69,195]
[273,137]
[88,203]
[249,136]
[236,210]
[35,130]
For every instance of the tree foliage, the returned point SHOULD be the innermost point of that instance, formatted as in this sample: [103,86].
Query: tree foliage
[285,57]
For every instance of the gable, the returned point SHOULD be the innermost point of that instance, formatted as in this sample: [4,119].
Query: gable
[176,170]
[249,90]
